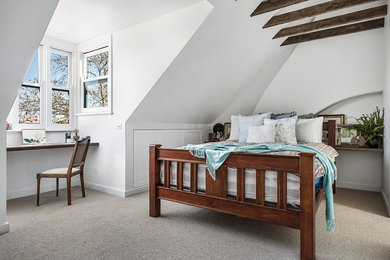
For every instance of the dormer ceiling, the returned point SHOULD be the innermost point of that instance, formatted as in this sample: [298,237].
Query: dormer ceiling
[351,22]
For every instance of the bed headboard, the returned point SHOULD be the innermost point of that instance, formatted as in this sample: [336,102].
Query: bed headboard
[330,126]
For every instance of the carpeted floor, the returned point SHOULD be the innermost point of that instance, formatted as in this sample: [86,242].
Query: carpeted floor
[101,226]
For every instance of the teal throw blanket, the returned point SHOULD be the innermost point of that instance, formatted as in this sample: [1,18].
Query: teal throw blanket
[217,153]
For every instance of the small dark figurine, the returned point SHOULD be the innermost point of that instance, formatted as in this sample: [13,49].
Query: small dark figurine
[218,130]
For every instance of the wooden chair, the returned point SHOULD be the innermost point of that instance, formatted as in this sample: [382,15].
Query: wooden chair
[76,166]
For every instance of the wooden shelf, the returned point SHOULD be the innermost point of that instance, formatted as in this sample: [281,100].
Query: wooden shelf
[360,149]
[43,146]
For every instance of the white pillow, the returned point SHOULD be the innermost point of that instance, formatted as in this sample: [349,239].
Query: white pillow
[234,128]
[248,121]
[261,134]
[285,129]
[310,130]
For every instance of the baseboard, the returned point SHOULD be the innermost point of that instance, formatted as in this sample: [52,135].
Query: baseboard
[105,189]
[136,191]
[4,228]
[358,186]
[33,191]
[386,201]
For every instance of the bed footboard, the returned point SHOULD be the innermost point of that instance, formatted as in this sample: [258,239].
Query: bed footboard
[216,198]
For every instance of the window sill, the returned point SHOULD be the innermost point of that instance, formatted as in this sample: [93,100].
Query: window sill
[94,113]
[50,130]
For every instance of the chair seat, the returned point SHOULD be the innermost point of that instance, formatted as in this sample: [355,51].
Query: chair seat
[60,171]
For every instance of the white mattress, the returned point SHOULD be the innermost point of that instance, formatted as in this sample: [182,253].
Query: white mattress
[293,182]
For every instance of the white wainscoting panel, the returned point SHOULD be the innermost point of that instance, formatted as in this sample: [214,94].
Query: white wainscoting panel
[167,138]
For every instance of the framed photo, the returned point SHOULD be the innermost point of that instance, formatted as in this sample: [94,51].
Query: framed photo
[34,136]
[347,135]
[340,120]
[226,132]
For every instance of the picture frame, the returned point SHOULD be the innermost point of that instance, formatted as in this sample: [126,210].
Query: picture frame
[347,135]
[340,120]
[226,132]
[33,136]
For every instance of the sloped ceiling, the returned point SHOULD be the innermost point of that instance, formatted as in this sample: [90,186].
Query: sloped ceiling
[227,54]
[80,20]
[22,26]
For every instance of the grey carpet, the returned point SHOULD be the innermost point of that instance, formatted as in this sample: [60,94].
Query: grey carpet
[101,226]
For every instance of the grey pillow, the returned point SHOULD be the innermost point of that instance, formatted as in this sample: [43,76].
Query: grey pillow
[306,116]
[283,115]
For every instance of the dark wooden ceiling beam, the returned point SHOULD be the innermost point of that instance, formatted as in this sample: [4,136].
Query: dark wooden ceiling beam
[272,5]
[334,21]
[314,10]
[342,30]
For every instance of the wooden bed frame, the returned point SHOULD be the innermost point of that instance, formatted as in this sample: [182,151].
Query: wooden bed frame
[216,198]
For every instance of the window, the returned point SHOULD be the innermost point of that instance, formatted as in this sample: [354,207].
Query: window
[96,82]
[29,98]
[59,90]
[45,96]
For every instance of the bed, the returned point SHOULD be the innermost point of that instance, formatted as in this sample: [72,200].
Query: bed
[276,188]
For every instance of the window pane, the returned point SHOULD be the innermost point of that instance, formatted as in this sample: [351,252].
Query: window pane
[32,75]
[59,69]
[97,65]
[29,105]
[95,93]
[60,107]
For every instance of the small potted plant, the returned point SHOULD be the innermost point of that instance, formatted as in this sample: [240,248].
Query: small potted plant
[9,126]
[371,127]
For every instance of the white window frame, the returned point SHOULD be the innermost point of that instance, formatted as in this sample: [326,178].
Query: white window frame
[70,87]
[45,86]
[84,79]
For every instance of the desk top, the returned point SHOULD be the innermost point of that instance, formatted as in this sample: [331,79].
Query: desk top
[29,147]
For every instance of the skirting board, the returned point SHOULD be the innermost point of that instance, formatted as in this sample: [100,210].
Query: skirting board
[136,191]
[358,186]
[386,201]
[33,191]
[105,189]
[4,228]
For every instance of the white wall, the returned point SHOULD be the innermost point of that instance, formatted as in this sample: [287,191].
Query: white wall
[386,104]
[141,54]
[19,20]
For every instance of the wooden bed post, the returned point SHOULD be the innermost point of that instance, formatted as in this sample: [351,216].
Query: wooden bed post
[154,181]
[307,209]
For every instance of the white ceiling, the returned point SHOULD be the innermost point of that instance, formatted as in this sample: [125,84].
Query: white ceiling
[80,20]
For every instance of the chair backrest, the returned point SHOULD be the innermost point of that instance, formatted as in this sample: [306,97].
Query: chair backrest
[79,154]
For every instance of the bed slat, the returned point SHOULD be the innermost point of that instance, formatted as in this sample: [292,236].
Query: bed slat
[194,179]
[167,174]
[241,184]
[260,187]
[217,187]
[179,183]
[282,190]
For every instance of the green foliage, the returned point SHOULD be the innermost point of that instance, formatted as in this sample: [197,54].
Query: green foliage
[371,127]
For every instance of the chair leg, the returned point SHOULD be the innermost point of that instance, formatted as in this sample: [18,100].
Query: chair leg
[57,183]
[82,184]
[68,180]
[38,188]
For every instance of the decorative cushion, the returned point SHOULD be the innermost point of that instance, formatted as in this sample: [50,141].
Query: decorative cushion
[248,121]
[306,116]
[283,115]
[285,130]
[234,128]
[261,134]
[60,170]
[310,130]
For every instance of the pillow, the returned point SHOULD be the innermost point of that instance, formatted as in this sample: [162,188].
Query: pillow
[310,130]
[234,128]
[261,134]
[283,115]
[285,129]
[306,116]
[248,121]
